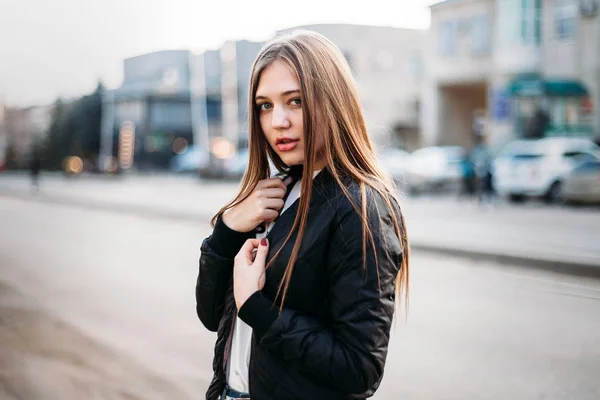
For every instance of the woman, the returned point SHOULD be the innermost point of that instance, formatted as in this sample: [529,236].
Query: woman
[300,279]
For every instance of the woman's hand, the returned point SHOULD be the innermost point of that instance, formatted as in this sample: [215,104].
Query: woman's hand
[249,270]
[263,204]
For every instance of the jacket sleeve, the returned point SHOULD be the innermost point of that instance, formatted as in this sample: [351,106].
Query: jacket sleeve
[349,353]
[216,269]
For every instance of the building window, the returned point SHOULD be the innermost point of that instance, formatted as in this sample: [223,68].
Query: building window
[213,110]
[564,111]
[480,34]
[557,113]
[130,111]
[414,67]
[170,115]
[531,11]
[448,33]
[565,18]
[508,22]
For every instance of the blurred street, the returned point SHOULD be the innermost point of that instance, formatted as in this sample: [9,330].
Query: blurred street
[118,147]
[532,234]
[474,331]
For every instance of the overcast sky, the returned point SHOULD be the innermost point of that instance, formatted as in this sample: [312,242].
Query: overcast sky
[63,47]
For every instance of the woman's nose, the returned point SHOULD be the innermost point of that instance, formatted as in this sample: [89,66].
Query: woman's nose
[280,118]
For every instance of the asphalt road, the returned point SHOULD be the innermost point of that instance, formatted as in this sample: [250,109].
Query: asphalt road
[474,331]
[532,234]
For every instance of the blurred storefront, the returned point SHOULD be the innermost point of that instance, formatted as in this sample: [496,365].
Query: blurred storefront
[550,107]
[539,61]
[154,103]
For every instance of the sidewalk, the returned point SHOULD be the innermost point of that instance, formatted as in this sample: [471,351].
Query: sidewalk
[553,238]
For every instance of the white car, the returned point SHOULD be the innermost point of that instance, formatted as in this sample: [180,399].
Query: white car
[582,185]
[536,168]
[434,168]
[394,161]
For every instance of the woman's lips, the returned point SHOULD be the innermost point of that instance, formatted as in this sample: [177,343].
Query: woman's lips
[287,145]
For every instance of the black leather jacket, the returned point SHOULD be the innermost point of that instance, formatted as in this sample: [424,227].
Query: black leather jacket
[331,339]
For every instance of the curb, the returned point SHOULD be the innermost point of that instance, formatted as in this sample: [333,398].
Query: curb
[567,267]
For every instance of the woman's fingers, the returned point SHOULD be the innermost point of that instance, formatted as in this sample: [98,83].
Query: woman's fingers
[271,183]
[270,215]
[246,252]
[273,204]
[254,250]
[273,193]
[261,253]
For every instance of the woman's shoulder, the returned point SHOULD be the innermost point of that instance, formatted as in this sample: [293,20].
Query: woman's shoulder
[349,196]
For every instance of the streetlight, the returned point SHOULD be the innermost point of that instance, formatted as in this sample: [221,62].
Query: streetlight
[126,144]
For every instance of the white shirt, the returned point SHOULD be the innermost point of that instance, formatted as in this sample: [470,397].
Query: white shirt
[239,356]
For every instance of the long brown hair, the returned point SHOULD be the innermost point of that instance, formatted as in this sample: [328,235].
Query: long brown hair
[330,107]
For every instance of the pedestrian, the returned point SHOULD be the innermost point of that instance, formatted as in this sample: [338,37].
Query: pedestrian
[481,166]
[35,168]
[302,273]
[467,186]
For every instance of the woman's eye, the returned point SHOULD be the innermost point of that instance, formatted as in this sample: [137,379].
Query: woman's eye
[296,102]
[264,106]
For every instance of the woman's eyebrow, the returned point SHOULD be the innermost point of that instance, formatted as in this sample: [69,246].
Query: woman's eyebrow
[286,93]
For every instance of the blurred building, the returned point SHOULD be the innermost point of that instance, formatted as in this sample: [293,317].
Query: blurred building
[505,68]
[220,83]
[205,89]
[3,138]
[387,64]
[237,58]
[170,96]
[154,101]
[23,128]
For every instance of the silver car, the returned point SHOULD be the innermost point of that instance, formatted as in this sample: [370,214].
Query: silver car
[582,184]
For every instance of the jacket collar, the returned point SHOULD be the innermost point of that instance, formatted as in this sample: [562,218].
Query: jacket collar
[322,192]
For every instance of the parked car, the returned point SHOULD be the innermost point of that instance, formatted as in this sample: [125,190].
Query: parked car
[537,168]
[193,160]
[434,168]
[394,161]
[235,166]
[582,184]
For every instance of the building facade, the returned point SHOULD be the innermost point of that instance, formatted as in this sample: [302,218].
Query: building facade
[495,67]
[206,97]
[154,101]
[458,64]
[203,98]
[237,58]
[219,90]
[3,138]
[387,64]
[22,128]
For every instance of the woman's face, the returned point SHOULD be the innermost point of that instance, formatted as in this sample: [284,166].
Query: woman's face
[278,102]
